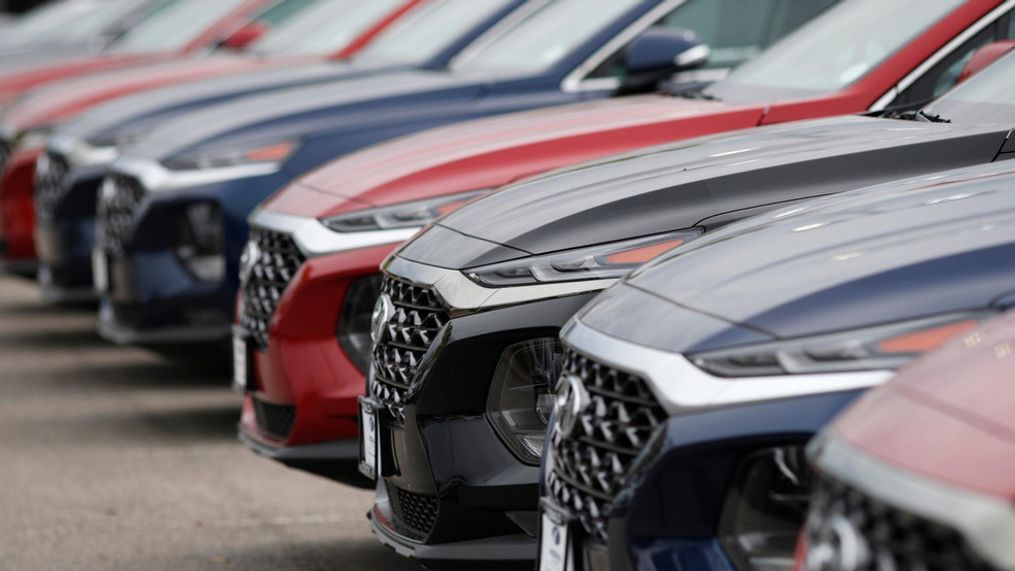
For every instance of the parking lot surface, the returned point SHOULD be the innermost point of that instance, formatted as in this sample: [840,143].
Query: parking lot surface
[117,458]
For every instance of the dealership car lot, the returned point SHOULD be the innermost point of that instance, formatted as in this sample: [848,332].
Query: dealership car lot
[116,459]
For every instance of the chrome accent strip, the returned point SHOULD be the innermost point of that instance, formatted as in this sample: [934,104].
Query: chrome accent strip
[682,387]
[576,82]
[463,294]
[80,153]
[913,76]
[155,177]
[315,239]
[986,522]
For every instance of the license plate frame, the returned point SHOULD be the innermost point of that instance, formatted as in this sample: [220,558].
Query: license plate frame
[556,548]
[369,443]
[243,362]
[100,271]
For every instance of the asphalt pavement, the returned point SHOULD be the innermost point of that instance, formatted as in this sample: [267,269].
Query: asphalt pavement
[118,458]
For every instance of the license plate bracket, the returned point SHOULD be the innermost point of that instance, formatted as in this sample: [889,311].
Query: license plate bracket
[369,452]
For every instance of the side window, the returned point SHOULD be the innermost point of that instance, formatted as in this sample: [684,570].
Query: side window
[735,30]
[942,77]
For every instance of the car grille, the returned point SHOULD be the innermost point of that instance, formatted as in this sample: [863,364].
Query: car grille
[417,512]
[5,154]
[265,278]
[50,174]
[596,459]
[275,420]
[116,211]
[894,539]
[417,319]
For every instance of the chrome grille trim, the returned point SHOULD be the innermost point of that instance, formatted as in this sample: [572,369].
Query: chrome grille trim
[119,199]
[590,465]
[51,173]
[271,261]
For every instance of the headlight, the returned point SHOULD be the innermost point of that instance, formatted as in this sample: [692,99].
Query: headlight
[119,138]
[405,215]
[354,321]
[200,244]
[766,508]
[33,138]
[521,395]
[605,261]
[233,155]
[885,347]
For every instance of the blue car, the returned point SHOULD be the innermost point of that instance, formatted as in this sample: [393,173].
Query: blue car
[690,388]
[79,153]
[172,213]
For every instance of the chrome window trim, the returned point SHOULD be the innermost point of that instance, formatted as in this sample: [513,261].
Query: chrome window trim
[986,522]
[905,83]
[682,387]
[577,82]
[315,239]
[80,154]
[463,294]
[156,178]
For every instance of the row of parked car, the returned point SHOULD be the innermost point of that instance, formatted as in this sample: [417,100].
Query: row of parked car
[566,281]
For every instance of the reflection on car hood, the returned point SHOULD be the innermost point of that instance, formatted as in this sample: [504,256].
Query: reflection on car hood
[908,249]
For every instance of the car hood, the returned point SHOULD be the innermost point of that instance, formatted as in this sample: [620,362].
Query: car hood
[899,251]
[959,394]
[298,112]
[489,153]
[63,99]
[689,183]
[14,82]
[159,104]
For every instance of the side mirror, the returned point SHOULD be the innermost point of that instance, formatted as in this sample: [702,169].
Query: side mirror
[245,36]
[984,57]
[657,54]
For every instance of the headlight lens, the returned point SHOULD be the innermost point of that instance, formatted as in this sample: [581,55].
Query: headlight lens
[886,347]
[265,153]
[33,138]
[405,215]
[354,321]
[766,508]
[521,395]
[605,261]
[200,243]
[119,138]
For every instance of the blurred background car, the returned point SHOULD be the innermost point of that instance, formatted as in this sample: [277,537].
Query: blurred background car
[334,226]
[502,274]
[177,201]
[690,389]
[917,473]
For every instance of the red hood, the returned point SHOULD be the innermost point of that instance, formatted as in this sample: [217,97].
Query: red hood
[492,152]
[948,416]
[15,83]
[67,98]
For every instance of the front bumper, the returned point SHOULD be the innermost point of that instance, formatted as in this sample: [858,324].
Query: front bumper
[477,499]
[667,516]
[17,212]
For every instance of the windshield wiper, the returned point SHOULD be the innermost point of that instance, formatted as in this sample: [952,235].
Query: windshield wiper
[697,92]
[932,118]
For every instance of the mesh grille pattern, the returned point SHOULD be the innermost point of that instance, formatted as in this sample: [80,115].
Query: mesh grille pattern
[418,512]
[417,318]
[116,211]
[274,419]
[5,154]
[594,461]
[277,259]
[50,174]
[895,540]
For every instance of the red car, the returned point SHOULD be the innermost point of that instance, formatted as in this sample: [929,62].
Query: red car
[331,25]
[920,473]
[316,246]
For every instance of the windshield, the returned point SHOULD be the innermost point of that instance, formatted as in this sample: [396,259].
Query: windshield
[68,21]
[546,36]
[326,27]
[838,48]
[986,98]
[431,29]
[174,24]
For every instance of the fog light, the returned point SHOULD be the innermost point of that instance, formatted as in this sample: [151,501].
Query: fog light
[200,244]
[354,320]
[766,508]
[521,395]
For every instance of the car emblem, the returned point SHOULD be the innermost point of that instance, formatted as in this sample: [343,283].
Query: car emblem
[384,310]
[251,254]
[572,400]
[837,545]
